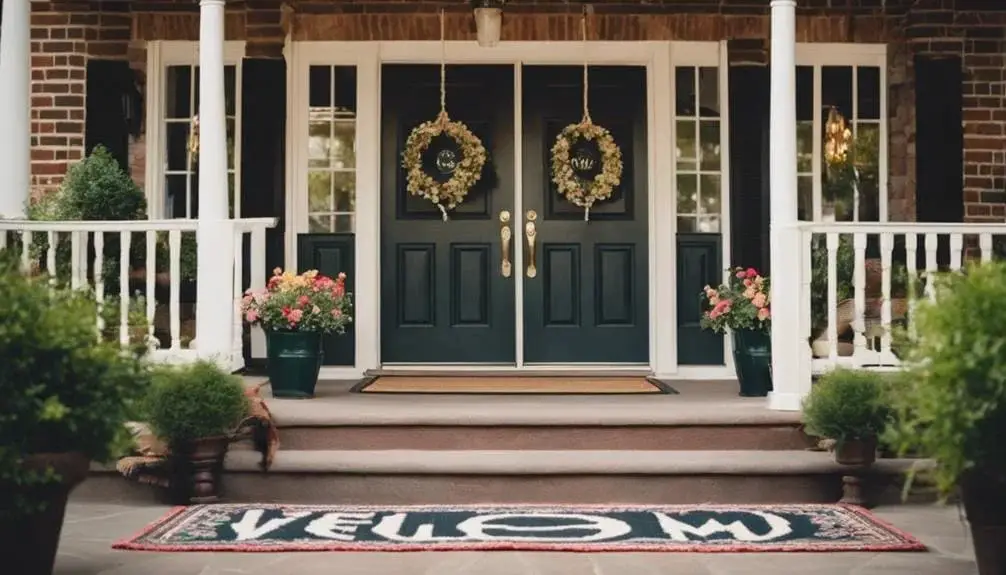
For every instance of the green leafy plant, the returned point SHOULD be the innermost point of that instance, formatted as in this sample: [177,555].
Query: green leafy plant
[951,401]
[196,401]
[62,389]
[847,405]
[743,303]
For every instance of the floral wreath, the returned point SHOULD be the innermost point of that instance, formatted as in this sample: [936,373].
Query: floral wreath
[445,195]
[580,191]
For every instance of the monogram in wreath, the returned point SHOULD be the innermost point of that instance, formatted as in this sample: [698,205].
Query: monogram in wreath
[443,159]
[586,164]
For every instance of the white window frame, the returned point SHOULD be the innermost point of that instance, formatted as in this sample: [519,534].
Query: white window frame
[160,55]
[835,54]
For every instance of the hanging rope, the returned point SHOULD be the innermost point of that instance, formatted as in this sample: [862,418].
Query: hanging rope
[442,118]
[586,83]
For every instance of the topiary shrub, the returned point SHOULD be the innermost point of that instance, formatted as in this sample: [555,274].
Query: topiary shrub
[193,402]
[847,405]
[63,390]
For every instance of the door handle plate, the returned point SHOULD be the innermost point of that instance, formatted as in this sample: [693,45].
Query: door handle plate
[506,235]
[531,233]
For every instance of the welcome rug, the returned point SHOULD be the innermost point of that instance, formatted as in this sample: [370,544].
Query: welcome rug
[672,528]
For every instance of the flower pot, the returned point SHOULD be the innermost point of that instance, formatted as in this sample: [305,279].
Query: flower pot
[197,467]
[31,541]
[859,452]
[984,497]
[753,362]
[294,363]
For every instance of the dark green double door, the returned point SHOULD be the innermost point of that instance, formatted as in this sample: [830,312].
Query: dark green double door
[445,295]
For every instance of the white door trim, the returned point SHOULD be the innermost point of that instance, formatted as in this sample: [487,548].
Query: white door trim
[368,56]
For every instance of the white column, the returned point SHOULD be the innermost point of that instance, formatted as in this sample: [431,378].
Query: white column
[215,252]
[787,344]
[15,108]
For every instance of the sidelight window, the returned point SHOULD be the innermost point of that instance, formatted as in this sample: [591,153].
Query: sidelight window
[698,150]
[332,149]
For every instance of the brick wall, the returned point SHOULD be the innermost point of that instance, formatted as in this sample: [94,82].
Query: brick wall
[66,33]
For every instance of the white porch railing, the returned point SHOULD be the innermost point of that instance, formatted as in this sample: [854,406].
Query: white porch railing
[860,280]
[151,257]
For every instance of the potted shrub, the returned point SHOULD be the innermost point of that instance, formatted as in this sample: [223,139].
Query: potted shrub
[951,403]
[743,307]
[66,397]
[195,409]
[296,311]
[851,408]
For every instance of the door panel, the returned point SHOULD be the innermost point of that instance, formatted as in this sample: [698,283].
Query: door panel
[588,301]
[443,298]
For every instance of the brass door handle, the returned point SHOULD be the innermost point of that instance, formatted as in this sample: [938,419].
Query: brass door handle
[506,268]
[531,233]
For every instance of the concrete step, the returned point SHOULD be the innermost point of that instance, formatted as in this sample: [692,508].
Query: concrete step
[541,476]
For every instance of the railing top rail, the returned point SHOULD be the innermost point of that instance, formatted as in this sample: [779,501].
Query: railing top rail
[185,225]
[247,224]
[901,228]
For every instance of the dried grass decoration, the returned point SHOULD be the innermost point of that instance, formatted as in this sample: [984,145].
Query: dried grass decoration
[586,161]
[464,172]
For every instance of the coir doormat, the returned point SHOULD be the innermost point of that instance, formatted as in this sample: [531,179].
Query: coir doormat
[699,528]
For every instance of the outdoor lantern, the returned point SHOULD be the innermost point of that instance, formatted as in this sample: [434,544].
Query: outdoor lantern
[488,21]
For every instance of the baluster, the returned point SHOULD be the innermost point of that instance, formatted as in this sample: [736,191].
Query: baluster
[832,245]
[3,238]
[237,351]
[75,271]
[125,238]
[50,255]
[859,295]
[174,306]
[26,239]
[99,281]
[911,265]
[151,264]
[932,241]
[985,245]
[886,247]
[956,249]
[257,281]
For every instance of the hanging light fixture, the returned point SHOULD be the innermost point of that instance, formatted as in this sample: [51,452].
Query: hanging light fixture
[488,21]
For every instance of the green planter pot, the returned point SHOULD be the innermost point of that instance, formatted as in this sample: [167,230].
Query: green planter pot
[294,363]
[753,362]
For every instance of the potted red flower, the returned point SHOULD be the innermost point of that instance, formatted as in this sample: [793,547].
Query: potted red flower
[296,311]
[742,307]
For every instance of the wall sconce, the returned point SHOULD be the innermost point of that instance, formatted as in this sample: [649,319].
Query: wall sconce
[488,21]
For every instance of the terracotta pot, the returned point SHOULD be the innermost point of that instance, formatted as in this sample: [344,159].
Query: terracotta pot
[984,496]
[197,469]
[860,452]
[30,542]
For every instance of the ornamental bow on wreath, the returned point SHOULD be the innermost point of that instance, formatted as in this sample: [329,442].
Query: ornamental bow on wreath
[452,176]
[586,161]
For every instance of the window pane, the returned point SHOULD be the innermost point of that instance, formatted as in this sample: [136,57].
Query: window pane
[320,87]
[805,198]
[687,194]
[836,89]
[178,95]
[319,192]
[867,161]
[709,193]
[343,145]
[174,195]
[344,224]
[709,92]
[686,152]
[684,82]
[868,92]
[805,147]
[232,199]
[319,224]
[709,225]
[709,140]
[178,146]
[804,93]
[230,90]
[686,224]
[319,142]
[231,139]
[345,88]
[344,190]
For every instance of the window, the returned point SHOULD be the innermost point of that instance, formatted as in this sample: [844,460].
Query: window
[847,191]
[181,165]
[331,178]
[698,151]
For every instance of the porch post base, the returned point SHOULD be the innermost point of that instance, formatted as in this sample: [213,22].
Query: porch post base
[785,401]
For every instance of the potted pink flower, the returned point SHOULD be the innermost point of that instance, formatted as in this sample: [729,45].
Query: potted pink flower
[296,311]
[743,307]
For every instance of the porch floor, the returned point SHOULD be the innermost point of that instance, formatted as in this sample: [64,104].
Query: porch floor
[698,403]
